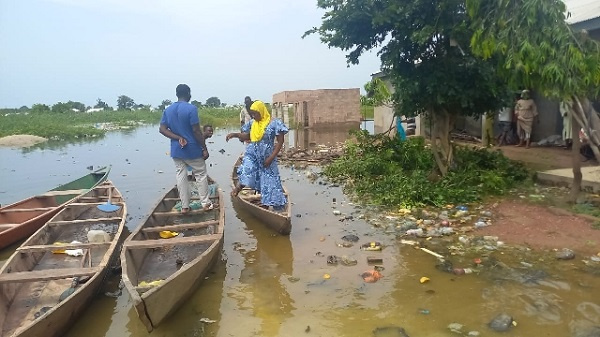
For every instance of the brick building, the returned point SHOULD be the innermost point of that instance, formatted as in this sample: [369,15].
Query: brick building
[318,108]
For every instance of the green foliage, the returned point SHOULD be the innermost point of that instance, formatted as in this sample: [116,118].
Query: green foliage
[390,172]
[125,103]
[421,53]
[100,104]
[367,111]
[377,93]
[535,47]
[197,104]
[164,104]
[73,125]
[213,102]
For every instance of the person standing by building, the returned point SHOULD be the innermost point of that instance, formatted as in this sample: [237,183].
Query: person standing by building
[181,124]
[505,121]
[525,111]
[244,113]
[567,116]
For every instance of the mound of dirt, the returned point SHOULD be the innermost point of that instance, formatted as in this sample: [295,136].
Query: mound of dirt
[20,141]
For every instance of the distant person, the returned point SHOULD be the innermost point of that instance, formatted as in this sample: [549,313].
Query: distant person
[525,111]
[181,124]
[207,131]
[507,131]
[567,116]
[259,165]
[244,114]
[586,149]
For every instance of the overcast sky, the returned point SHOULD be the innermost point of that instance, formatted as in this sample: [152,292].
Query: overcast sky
[81,50]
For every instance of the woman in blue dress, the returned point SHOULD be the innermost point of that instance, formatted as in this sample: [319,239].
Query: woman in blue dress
[259,165]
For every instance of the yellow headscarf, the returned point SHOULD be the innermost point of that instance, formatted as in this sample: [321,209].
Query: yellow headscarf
[257,130]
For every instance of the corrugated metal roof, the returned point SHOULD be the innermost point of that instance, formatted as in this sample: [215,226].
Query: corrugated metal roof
[582,10]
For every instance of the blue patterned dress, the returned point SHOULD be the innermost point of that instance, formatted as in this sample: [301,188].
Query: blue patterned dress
[252,172]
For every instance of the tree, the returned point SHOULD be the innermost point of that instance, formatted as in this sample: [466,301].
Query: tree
[61,107]
[421,56]
[125,103]
[196,104]
[24,108]
[40,108]
[223,105]
[213,102]
[535,47]
[164,104]
[100,104]
[76,105]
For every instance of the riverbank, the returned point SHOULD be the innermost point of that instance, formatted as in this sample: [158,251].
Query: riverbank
[21,141]
[77,125]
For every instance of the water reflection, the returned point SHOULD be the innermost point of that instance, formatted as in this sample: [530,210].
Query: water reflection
[309,138]
[266,267]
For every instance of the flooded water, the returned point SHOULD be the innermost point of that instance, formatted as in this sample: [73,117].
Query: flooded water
[271,285]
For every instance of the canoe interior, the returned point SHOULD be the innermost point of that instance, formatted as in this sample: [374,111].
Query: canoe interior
[87,181]
[17,217]
[41,207]
[158,263]
[31,295]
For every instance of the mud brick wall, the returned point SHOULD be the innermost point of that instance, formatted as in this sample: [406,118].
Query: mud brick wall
[324,107]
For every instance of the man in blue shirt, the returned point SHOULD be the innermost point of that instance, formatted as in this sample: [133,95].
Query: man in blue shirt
[181,124]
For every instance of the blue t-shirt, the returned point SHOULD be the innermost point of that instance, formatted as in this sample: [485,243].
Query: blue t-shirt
[179,118]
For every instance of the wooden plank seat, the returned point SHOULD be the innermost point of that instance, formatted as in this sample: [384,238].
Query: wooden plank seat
[46,274]
[86,245]
[192,212]
[65,192]
[142,244]
[192,198]
[37,209]
[93,203]
[63,222]
[180,226]
[99,197]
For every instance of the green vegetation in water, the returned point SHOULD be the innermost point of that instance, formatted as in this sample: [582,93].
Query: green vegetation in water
[390,172]
[73,125]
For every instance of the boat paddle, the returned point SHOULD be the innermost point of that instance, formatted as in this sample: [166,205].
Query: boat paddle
[107,206]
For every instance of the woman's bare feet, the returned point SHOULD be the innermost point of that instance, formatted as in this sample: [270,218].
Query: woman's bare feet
[236,190]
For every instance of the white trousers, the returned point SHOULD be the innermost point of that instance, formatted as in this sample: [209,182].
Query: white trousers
[183,185]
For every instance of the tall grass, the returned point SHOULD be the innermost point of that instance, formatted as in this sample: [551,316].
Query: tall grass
[73,125]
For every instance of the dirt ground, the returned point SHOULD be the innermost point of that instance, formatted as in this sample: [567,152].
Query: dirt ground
[542,227]
[20,141]
[539,226]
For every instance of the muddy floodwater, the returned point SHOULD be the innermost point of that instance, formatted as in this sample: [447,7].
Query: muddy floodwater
[272,285]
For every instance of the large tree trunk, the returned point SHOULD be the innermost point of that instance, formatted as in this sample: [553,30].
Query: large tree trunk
[443,123]
[584,116]
[577,176]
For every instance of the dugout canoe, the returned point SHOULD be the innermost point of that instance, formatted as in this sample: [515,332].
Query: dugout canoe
[249,199]
[52,277]
[168,255]
[21,219]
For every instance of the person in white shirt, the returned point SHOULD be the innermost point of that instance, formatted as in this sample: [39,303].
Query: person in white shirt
[506,136]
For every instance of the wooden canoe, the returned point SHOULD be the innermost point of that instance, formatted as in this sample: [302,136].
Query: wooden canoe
[249,199]
[42,269]
[160,273]
[21,219]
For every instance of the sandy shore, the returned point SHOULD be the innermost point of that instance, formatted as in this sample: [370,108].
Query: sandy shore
[21,141]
